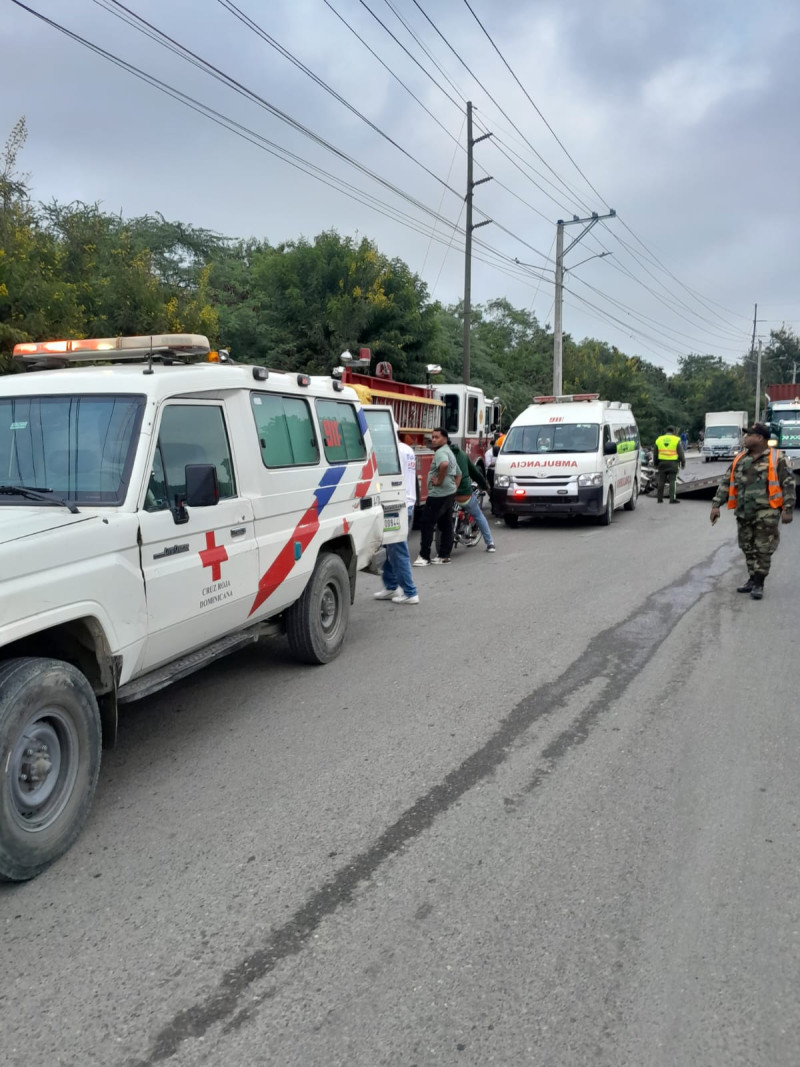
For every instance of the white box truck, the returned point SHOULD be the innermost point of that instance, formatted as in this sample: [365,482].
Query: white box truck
[724,433]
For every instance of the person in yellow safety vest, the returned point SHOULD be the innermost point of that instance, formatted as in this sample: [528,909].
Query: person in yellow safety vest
[760,488]
[668,455]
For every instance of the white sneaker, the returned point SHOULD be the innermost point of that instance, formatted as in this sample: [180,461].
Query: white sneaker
[420,562]
[385,594]
[440,559]
[401,598]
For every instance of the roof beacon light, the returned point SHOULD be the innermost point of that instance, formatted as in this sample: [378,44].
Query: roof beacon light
[565,399]
[91,349]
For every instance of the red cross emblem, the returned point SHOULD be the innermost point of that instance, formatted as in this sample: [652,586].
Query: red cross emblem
[213,556]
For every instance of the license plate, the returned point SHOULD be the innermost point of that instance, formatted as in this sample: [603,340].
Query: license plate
[391,522]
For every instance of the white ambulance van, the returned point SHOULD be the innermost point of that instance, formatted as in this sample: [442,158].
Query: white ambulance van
[157,511]
[568,455]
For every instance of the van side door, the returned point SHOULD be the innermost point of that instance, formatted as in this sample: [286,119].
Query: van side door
[383,432]
[200,563]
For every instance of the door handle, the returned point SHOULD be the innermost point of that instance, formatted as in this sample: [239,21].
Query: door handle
[239,531]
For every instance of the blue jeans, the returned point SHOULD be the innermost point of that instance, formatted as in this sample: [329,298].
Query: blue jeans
[472,507]
[397,568]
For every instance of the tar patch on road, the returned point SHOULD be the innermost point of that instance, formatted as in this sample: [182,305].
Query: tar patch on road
[617,655]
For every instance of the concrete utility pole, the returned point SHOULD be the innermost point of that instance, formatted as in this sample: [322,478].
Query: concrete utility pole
[558,369]
[471,142]
[758,384]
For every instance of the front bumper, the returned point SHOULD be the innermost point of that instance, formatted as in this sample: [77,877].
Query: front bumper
[589,501]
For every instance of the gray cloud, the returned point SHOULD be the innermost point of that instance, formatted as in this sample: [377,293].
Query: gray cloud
[681,115]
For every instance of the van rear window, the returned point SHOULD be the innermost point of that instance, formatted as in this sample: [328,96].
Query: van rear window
[558,437]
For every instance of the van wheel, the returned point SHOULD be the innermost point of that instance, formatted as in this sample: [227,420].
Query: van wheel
[316,624]
[511,520]
[608,515]
[50,742]
[630,505]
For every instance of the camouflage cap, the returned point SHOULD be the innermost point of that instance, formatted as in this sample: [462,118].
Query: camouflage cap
[761,429]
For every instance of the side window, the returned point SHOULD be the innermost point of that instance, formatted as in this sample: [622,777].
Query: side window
[342,431]
[285,430]
[384,442]
[189,433]
[606,434]
[451,412]
[472,414]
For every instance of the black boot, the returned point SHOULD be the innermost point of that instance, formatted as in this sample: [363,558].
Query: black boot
[747,587]
[757,592]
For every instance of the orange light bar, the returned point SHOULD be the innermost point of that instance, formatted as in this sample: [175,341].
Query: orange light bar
[86,348]
[565,399]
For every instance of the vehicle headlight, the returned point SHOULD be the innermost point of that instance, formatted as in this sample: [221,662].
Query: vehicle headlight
[502,481]
[590,479]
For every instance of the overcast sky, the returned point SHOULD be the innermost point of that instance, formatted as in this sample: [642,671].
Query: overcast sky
[679,114]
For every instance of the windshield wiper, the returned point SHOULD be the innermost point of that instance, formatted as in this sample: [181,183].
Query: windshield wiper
[31,493]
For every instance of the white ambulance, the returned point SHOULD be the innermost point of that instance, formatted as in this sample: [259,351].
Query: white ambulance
[568,455]
[157,513]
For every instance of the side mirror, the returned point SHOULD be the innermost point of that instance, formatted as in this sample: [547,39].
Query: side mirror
[202,487]
[610,448]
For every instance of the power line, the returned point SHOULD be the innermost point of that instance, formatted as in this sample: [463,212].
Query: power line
[496,104]
[533,104]
[389,70]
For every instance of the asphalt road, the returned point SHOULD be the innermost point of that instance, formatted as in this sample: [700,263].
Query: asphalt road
[549,816]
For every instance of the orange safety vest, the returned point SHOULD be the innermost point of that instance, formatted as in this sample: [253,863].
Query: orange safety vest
[774,491]
[667,445]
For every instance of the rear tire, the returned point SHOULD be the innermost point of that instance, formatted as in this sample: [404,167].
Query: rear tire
[511,520]
[50,743]
[630,505]
[316,624]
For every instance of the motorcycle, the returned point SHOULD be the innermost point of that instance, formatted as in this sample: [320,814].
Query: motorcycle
[648,475]
[465,529]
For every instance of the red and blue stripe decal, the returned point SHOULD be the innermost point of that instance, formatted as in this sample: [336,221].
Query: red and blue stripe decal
[303,534]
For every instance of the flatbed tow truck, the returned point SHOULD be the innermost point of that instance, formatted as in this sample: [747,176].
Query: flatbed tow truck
[703,485]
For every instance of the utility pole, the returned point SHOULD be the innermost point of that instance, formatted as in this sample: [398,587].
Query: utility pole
[471,142]
[752,357]
[558,350]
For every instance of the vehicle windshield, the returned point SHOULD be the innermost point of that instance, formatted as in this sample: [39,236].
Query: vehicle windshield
[722,431]
[80,448]
[558,437]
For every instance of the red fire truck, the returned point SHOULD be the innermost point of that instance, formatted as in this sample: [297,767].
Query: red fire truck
[466,413]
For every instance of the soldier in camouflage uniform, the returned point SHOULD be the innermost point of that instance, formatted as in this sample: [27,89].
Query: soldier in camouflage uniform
[761,505]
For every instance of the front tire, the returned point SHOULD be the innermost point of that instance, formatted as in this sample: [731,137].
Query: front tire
[50,743]
[608,515]
[316,624]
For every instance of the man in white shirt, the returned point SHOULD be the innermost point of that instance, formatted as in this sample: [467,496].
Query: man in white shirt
[397,579]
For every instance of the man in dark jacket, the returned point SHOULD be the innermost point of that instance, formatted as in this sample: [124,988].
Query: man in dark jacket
[467,498]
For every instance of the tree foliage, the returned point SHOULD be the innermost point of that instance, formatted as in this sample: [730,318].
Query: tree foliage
[74,270]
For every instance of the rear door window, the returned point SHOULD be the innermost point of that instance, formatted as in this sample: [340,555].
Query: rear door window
[342,431]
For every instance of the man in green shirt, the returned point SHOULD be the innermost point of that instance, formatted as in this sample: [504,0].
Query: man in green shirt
[443,480]
[466,497]
[759,486]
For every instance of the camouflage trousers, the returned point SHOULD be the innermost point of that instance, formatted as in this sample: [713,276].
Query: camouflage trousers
[758,539]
